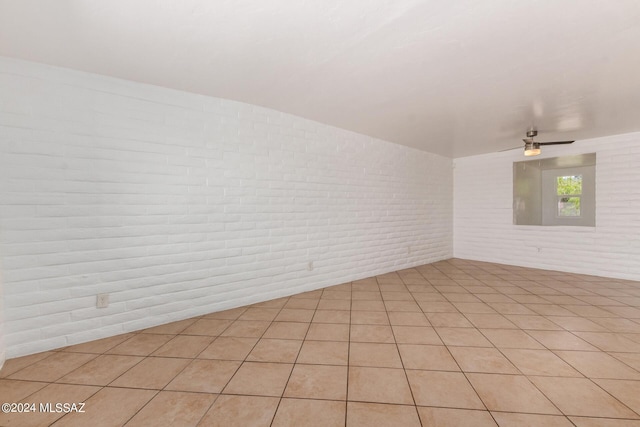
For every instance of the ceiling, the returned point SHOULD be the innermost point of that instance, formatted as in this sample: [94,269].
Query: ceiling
[453,77]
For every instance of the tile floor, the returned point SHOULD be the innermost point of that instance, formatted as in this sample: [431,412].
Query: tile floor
[454,343]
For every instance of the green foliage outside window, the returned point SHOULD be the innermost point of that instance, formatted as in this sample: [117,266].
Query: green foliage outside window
[568,186]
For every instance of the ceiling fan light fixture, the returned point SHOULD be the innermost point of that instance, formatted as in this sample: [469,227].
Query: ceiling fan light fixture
[531,149]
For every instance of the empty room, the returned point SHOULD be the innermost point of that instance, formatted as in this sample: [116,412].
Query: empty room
[320,213]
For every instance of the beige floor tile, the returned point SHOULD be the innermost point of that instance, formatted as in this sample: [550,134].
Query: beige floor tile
[536,323]
[374,414]
[446,417]
[511,393]
[324,353]
[549,310]
[395,296]
[610,342]
[287,330]
[53,367]
[464,337]
[241,411]
[540,362]
[598,365]
[17,391]
[507,419]
[369,318]
[628,312]
[328,332]
[402,306]
[587,310]
[381,385]
[618,324]
[428,357]
[98,346]
[208,327]
[413,335]
[487,360]
[332,316]
[317,381]
[437,307]
[260,379]
[307,412]
[186,346]
[141,345]
[494,321]
[405,318]
[228,348]
[152,373]
[577,324]
[120,404]
[460,297]
[375,304]
[366,293]
[474,307]
[295,315]
[204,376]
[581,397]
[626,391]
[170,328]
[372,333]
[246,329]
[53,393]
[275,350]
[317,294]
[444,389]
[511,338]
[529,299]
[510,308]
[12,366]
[173,408]
[334,304]
[257,313]
[603,422]
[561,340]
[336,295]
[232,314]
[305,303]
[631,359]
[452,320]
[431,297]
[101,370]
[374,354]
[451,290]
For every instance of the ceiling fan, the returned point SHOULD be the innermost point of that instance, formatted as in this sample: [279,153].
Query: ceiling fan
[532,148]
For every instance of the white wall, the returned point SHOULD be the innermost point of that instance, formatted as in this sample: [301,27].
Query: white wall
[483,220]
[178,204]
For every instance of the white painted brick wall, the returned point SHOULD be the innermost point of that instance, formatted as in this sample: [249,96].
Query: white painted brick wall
[483,219]
[178,205]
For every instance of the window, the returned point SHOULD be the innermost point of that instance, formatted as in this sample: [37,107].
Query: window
[568,192]
[555,191]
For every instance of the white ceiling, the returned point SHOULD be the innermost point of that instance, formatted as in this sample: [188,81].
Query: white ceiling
[453,77]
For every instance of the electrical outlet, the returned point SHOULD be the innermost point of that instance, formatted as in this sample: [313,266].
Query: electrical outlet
[102,300]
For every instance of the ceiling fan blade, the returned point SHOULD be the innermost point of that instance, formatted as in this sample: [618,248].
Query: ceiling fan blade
[555,143]
[519,147]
